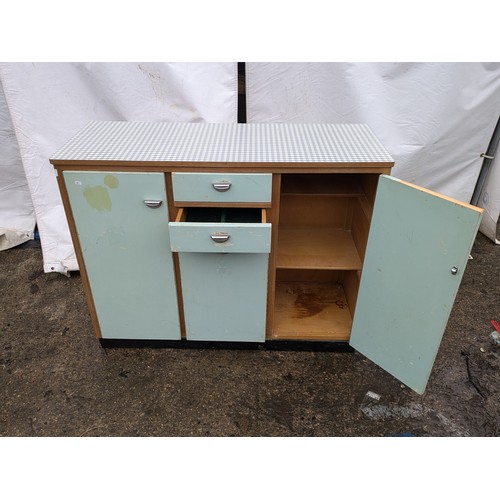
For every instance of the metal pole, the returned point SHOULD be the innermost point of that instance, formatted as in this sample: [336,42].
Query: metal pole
[486,166]
[242,93]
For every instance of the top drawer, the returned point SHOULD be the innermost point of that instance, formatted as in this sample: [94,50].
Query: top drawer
[221,188]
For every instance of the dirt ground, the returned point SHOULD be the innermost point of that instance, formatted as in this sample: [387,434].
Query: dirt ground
[57,380]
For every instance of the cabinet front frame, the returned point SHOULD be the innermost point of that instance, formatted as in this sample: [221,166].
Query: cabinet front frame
[276,169]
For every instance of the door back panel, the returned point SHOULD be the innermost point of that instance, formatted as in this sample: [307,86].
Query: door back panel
[416,254]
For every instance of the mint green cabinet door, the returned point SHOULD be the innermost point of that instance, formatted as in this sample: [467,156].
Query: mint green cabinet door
[417,251]
[225,296]
[126,249]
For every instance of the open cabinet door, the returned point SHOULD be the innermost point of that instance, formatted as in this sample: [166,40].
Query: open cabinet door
[416,254]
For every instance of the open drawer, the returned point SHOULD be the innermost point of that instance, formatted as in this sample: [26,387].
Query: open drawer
[220,230]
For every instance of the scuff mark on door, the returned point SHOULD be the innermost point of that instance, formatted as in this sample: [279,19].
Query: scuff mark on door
[98,198]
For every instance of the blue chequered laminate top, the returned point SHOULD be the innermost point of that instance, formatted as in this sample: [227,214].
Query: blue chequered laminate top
[224,142]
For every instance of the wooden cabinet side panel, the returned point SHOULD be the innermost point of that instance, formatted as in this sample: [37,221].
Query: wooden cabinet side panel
[79,255]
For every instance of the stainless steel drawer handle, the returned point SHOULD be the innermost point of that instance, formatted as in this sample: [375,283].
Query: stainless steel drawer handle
[221,186]
[153,203]
[219,237]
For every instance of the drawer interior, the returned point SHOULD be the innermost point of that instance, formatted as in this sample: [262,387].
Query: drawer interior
[222,215]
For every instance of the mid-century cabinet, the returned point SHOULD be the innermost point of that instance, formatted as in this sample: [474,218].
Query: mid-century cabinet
[255,233]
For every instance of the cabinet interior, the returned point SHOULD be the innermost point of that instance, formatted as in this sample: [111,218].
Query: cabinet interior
[323,229]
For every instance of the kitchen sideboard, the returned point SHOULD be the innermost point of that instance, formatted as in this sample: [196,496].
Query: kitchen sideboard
[262,233]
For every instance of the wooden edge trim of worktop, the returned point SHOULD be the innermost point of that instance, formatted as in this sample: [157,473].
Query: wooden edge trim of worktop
[79,256]
[271,275]
[252,167]
[176,215]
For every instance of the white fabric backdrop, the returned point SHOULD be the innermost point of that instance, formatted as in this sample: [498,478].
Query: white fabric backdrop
[49,102]
[17,217]
[435,119]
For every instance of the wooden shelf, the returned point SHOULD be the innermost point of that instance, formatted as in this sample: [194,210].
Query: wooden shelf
[321,184]
[316,248]
[311,311]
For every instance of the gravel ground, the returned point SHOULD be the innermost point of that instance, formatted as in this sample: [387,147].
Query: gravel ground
[56,379]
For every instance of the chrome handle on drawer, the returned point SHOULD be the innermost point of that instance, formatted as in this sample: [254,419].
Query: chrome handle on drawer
[220,237]
[153,203]
[221,186]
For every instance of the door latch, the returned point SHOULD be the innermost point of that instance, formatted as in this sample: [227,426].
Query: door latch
[153,203]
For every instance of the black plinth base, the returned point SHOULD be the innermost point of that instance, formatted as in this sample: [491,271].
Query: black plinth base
[269,345]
